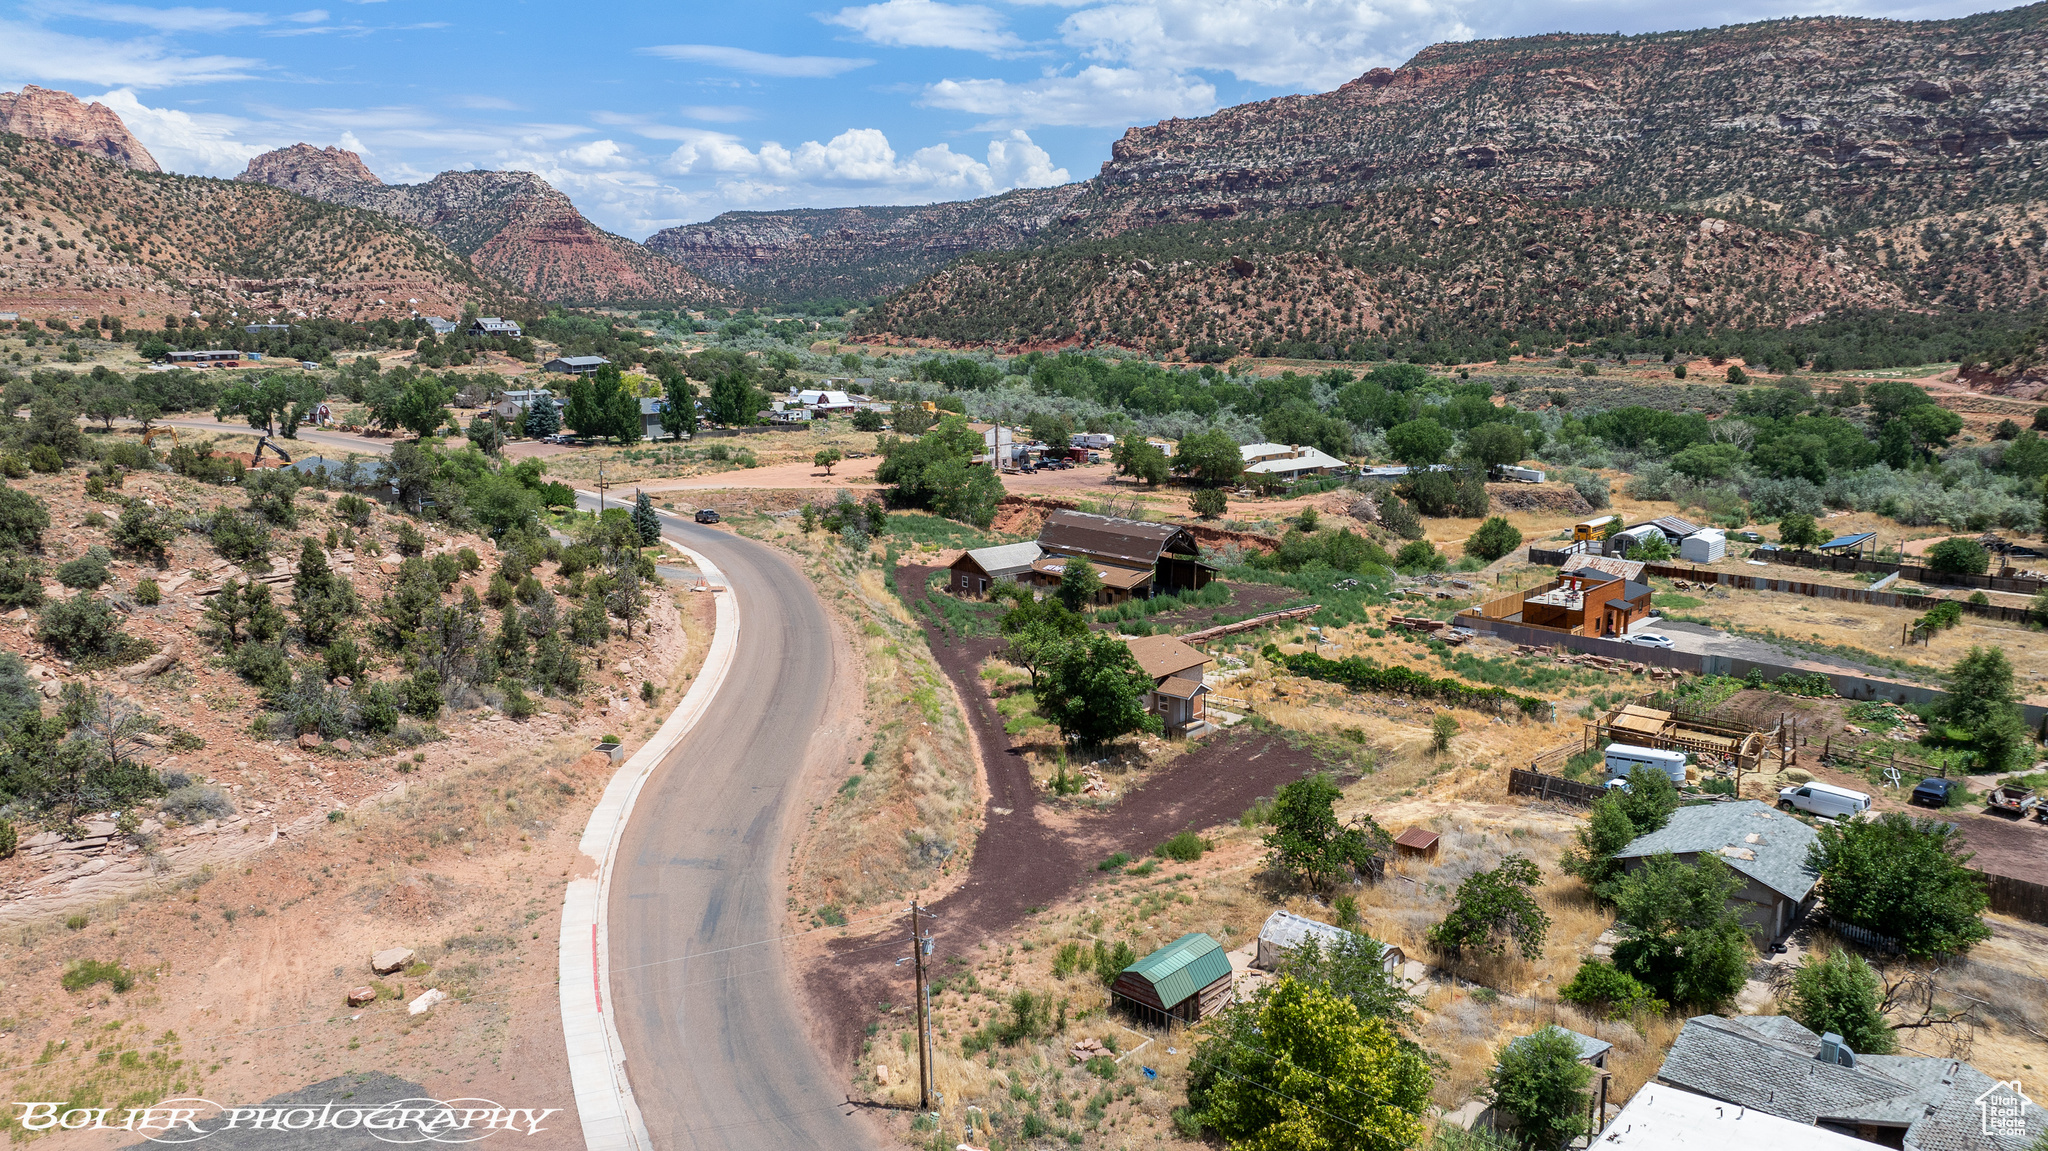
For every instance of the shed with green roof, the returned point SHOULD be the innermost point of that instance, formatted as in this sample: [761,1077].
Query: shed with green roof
[1188,980]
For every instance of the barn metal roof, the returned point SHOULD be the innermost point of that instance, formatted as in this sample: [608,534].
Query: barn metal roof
[1183,967]
[1128,541]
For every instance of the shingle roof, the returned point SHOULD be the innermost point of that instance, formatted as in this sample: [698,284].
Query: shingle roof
[1589,1047]
[1767,1062]
[1006,557]
[1129,541]
[1747,835]
[1183,967]
[1163,655]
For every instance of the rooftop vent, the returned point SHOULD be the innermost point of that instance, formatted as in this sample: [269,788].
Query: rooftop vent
[1833,1050]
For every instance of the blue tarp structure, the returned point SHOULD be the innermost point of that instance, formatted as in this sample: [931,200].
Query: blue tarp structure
[1847,541]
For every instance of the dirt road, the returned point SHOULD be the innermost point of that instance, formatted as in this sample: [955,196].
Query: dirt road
[1033,854]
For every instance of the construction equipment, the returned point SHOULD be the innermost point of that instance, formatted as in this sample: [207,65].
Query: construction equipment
[262,442]
[149,436]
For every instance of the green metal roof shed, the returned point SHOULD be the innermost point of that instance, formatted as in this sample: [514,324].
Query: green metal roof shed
[1188,980]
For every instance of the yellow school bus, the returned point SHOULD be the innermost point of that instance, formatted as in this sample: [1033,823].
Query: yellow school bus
[1594,529]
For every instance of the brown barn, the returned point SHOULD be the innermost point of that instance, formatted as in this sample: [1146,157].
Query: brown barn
[1177,689]
[1137,558]
[1418,843]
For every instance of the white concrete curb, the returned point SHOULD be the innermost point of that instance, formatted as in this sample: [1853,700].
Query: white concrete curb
[597,1062]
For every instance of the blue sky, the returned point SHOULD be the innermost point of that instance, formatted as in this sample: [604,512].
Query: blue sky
[649,115]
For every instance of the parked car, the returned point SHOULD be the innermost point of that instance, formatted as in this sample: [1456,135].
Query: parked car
[1823,799]
[1934,792]
[706,516]
[1749,537]
[1648,639]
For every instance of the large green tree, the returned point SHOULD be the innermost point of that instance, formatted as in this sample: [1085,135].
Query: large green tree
[1680,935]
[1038,630]
[1094,691]
[264,401]
[1983,702]
[1139,459]
[936,471]
[1838,992]
[1905,878]
[1496,444]
[735,401]
[1539,1080]
[1080,583]
[1210,457]
[1494,911]
[420,407]
[1419,442]
[1298,1069]
[1309,845]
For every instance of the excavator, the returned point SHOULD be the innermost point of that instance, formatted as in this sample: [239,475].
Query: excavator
[256,457]
[149,436]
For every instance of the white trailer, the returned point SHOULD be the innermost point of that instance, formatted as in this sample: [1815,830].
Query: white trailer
[1522,474]
[1093,441]
[1625,757]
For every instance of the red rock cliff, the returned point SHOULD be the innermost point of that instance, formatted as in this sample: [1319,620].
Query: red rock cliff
[62,118]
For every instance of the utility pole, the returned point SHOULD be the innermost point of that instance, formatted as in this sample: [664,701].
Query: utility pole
[924,1074]
[601,486]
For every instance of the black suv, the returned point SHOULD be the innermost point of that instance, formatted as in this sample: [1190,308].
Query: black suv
[706,516]
[1934,792]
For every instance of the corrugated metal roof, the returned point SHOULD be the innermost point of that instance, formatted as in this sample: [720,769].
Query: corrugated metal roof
[1183,967]
[1589,1047]
[1131,541]
[1288,930]
[1672,525]
[1607,565]
[1419,838]
[1006,558]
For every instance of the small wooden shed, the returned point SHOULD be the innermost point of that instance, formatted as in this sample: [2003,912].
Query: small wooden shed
[1418,843]
[1187,980]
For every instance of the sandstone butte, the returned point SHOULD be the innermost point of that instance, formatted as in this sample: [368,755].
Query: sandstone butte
[62,118]
[511,225]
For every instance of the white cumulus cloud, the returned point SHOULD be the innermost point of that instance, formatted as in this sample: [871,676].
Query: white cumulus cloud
[925,24]
[863,158]
[201,143]
[757,63]
[37,53]
[1097,96]
[1303,44]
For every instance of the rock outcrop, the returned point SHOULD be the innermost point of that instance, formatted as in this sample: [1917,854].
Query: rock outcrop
[1926,138]
[320,173]
[91,239]
[856,252]
[64,119]
[512,225]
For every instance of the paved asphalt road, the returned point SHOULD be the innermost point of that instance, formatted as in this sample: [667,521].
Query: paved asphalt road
[714,1048]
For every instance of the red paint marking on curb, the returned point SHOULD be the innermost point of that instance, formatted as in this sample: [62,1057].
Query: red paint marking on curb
[596,986]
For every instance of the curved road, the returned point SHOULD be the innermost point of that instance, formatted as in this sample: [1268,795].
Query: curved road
[704,1006]
[702,997]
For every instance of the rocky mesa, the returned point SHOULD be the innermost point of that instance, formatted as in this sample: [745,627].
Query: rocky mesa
[512,225]
[856,252]
[64,119]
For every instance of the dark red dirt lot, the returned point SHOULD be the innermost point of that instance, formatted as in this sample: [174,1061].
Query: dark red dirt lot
[1023,861]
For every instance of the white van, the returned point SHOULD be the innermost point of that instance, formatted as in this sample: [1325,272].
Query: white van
[1624,757]
[1824,799]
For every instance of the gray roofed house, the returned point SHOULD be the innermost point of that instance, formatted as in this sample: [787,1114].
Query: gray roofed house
[651,408]
[1774,1065]
[1767,848]
[976,571]
[493,326]
[575,365]
[441,327]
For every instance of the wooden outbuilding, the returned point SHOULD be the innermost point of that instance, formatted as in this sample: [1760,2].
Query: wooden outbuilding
[1136,558]
[1284,932]
[975,572]
[1418,843]
[1186,980]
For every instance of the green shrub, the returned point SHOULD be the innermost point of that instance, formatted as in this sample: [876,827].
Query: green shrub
[88,571]
[423,693]
[410,541]
[21,582]
[1598,986]
[86,972]
[83,625]
[1114,862]
[1494,539]
[44,458]
[264,666]
[147,592]
[1185,847]
[10,840]
[377,708]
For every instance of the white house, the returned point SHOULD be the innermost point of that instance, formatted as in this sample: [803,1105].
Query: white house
[815,397]
[1288,461]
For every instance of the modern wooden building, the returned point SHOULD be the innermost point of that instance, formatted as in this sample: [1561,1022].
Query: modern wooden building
[1588,602]
[1136,558]
[1186,980]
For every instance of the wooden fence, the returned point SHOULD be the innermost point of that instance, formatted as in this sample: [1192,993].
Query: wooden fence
[1524,782]
[1742,582]
[2025,585]
[2017,897]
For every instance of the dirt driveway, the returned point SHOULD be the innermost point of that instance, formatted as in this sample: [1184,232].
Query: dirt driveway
[1033,854]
